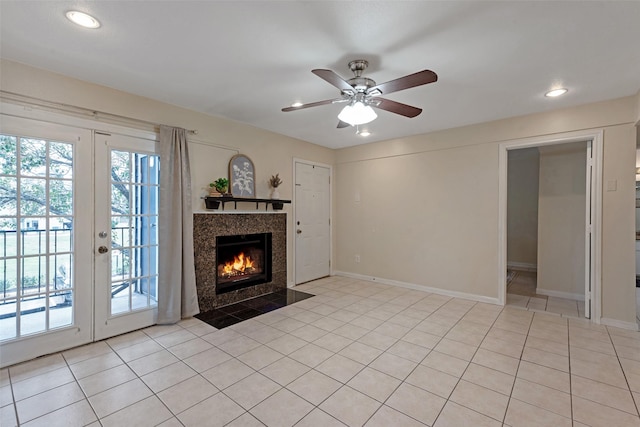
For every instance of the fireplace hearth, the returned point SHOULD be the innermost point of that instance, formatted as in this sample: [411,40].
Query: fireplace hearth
[242,260]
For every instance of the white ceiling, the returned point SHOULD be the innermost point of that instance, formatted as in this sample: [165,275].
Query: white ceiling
[246,60]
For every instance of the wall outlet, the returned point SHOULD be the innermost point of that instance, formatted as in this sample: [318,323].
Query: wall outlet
[357,258]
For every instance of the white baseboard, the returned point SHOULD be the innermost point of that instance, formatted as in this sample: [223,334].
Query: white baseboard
[522,266]
[439,291]
[632,326]
[558,294]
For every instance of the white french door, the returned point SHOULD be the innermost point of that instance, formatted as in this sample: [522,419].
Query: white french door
[126,234]
[78,236]
[45,238]
[312,216]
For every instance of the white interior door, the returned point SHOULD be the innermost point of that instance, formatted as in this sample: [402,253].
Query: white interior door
[589,236]
[312,208]
[45,238]
[126,235]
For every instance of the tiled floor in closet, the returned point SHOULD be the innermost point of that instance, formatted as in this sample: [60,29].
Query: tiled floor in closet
[358,353]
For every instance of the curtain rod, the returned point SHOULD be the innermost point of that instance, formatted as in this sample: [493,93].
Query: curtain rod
[31,101]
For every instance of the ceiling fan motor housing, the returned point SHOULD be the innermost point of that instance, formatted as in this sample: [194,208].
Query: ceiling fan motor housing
[359,83]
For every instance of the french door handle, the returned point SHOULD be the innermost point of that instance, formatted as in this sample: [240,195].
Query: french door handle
[103,249]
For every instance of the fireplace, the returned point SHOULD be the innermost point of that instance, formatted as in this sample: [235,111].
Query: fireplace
[242,261]
[209,226]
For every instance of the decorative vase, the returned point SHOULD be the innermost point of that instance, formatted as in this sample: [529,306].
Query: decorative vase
[274,193]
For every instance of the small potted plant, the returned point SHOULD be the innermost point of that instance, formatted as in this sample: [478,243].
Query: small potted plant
[274,183]
[221,185]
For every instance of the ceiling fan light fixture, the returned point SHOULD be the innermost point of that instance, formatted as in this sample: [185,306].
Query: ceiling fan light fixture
[357,114]
[363,133]
[83,19]
[556,92]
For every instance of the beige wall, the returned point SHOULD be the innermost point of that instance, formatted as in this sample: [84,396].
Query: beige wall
[429,203]
[618,238]
[522,207]
[561,220]
[418,217]
[271,153]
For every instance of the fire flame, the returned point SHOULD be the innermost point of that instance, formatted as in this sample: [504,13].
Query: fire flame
[240,264]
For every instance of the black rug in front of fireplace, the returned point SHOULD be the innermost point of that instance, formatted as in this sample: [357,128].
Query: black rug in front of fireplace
[244,310]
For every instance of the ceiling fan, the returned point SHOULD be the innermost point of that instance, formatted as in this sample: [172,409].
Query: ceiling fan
[362,93]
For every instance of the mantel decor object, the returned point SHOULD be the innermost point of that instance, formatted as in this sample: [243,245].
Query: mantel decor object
[220,185]
[242,177]
[274,183]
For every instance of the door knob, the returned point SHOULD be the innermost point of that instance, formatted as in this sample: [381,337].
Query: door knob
[103,249]
[299,231]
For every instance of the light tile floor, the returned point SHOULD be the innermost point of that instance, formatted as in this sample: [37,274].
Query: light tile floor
[521,292]
[358,353]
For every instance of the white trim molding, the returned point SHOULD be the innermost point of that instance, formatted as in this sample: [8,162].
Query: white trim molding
[522,266]
[559,294]
[631,326]
[429,289]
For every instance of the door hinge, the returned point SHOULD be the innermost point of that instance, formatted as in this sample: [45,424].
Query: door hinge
[589,228]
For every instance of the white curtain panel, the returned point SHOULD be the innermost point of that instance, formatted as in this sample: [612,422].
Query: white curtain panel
[177,296]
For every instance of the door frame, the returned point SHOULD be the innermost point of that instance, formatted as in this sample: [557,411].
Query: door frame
[51,115]
[80,331]
[107,325]
[596,137]
[296,161]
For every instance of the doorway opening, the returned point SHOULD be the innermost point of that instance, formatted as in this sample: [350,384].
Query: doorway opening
[546,202]
[549,214]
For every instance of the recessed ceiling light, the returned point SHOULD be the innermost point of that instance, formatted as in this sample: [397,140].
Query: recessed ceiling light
[82,19]
[364,133]
[556,92]
[296,104]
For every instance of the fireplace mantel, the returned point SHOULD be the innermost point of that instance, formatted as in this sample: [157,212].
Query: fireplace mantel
[215,202]
[205,229]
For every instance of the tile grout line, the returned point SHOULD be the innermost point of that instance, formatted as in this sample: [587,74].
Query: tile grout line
[570,376]
[624,373]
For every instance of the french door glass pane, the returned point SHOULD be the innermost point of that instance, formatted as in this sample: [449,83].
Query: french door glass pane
[134,230]
[36,251]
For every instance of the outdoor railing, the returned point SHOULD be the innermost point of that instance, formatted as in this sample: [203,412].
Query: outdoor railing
[33,245]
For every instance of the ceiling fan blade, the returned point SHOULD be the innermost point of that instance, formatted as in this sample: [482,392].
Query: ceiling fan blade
[334,79]
[313,104]
[396,107]
[412,80]
[342,124]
